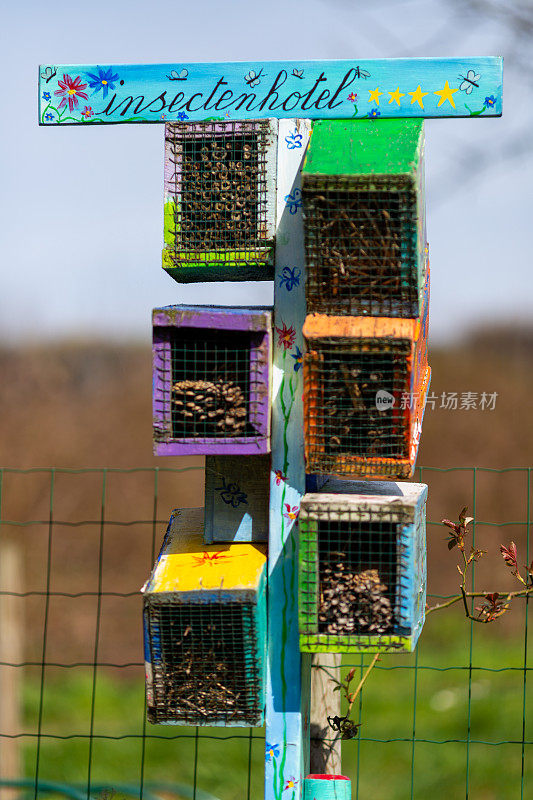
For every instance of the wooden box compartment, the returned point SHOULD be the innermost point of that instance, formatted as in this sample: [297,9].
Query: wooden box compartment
[211,380]
[364,213]
[220,184]
[365,387]
[237,491]
[205,629]
[362,567]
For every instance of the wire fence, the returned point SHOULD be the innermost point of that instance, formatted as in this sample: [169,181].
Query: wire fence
[77,545]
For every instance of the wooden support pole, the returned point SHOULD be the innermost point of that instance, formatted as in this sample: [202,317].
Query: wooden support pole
[325,757]
[11,650]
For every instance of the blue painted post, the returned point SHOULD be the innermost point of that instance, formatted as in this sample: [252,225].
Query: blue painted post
[287,706]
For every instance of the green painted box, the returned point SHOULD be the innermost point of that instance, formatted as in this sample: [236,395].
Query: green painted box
[220,198]
[362,567]
[364,216]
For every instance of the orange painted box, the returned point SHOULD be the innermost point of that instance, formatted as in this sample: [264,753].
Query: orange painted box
[365,386]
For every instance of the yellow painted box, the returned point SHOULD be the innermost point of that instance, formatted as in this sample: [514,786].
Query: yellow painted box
[205,629]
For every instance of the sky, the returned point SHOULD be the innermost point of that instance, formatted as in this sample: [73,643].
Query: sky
[81,209]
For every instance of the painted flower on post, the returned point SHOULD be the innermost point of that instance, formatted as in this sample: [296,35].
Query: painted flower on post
[298,359]
[70,91]
[294,140]
[290,783]
[352,97]
[104,80]
[182,116]
[280,477]
[489,101]
[87,112]
[294,201]
[47,96]
[291,512]
[373,113]
[271,751]
[286,336]
[48,117]
[290,277]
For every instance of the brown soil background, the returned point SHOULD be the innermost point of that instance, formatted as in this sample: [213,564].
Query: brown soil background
[86,405]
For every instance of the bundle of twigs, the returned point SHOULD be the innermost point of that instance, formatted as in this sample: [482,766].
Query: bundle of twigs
[357,245]
[199,687]
[352,421]
[219,197]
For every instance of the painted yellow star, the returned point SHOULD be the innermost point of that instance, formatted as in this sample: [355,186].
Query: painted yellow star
[417,96]
[396,96]
[446,94]
[374,95]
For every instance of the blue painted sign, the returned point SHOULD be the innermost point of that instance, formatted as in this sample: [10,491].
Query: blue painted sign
[402,87]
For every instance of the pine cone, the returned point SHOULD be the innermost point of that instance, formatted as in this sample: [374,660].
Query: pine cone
[209,408]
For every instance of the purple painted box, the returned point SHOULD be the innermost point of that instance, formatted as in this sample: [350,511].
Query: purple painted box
[211,380]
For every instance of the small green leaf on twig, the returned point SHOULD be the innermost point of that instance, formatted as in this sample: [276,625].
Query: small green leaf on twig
[458,530]
[510,555]
[492,608]
[463,519]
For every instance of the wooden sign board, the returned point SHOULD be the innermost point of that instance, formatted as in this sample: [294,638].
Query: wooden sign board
[376,88]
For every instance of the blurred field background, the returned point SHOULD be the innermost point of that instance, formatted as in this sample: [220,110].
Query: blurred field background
[83,405]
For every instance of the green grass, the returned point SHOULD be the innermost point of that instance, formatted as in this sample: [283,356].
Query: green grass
[383,756]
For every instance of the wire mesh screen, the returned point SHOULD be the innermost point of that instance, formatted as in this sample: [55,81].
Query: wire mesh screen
[210,385]
[452,719]
[358,578]
[361,245]
[213,377]
[219,188]
[354,582]
[204,663]
[352,403]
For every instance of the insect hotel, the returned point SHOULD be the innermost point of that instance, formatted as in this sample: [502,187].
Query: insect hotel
[362,580]
[310,174]
[205,642]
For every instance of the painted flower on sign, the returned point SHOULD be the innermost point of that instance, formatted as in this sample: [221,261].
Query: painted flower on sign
[352,97]
[280,477]
[290,277]
[291,512]
[49,117]
[286,336]
[87,112]
[294,140]
[298,359]
[271,751]
[182,116]
[489,101]
[70,90]
[373,113]
[104,80]
[47,96]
